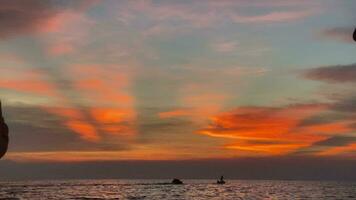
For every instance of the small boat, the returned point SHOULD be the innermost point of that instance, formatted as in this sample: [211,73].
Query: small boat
[177,181]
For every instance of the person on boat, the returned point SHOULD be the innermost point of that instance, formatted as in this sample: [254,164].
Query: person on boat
[221,181]
[4,135]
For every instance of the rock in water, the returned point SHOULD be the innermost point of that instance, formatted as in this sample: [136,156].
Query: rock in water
[4,135]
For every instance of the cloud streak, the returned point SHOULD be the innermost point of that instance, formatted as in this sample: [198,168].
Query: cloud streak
[333,74]
[341,34]
[274,17]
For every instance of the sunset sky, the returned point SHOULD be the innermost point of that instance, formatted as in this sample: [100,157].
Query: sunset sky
[174,80]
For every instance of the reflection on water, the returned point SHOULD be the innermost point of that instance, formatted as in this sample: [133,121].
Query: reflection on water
[192,189]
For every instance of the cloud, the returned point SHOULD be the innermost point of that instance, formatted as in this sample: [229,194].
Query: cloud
[226,46]
[26,81]
[348,150]
[334,145]
[274,17]
[20,18]
[341,34]
[34,129]
[333,74]
[75,120]
[86,130]
[340,116]
[116,121]
[336,141]
[106,86]
[347,105]
[275,130]
[28,86]
[203,15]
[67,31]
[321,119]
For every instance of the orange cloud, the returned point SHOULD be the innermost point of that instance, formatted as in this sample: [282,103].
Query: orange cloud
[114,120]
[74,119]
[85,130]
[107,115]
[28,81]
[267,149]
[108,86]
[28,86]
[270,130]
[104,85]
[351,148]
[331,128]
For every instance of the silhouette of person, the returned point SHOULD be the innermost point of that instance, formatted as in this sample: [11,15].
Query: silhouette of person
[221,180]
[4,135]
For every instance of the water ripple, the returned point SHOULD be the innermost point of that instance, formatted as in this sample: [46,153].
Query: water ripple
[192,189]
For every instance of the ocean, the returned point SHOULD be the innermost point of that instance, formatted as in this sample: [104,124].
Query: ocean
[191,189]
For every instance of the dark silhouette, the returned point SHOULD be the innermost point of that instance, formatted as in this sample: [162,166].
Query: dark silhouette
[4,135]
[221,181]
[355,35]
[176,181]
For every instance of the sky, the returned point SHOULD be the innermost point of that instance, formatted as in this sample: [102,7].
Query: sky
[109,81]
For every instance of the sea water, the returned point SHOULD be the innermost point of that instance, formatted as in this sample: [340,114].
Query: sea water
[191,189]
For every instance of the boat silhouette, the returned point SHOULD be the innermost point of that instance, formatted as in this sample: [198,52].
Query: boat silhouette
[176,181]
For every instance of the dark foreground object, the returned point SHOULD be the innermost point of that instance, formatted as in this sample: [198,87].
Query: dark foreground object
[355,35]
[177,181]
[4,135]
